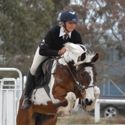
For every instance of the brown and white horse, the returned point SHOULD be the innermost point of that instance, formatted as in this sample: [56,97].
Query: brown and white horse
[72,77]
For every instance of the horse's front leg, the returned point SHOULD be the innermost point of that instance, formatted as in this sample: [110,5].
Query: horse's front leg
[71,98]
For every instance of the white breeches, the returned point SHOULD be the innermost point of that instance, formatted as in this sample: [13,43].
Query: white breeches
[36,61]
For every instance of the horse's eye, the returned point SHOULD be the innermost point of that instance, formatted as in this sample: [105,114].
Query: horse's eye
[83,56]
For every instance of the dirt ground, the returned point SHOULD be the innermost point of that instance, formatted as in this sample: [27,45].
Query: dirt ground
[84,118]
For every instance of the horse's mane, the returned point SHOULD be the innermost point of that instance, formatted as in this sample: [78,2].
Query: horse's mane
[75,48]
[89,56]
[73,52]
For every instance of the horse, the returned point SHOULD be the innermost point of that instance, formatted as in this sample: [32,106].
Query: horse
[72,77]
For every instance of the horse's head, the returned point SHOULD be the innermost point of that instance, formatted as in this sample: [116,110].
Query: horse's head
[78,70]
[86,76]
[83,69]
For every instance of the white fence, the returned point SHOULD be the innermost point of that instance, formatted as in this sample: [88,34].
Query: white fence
[10,91]
[105,101]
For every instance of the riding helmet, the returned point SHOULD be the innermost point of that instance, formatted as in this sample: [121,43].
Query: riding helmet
[68,16]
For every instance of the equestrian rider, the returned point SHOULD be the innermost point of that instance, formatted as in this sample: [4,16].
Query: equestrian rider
[52,45]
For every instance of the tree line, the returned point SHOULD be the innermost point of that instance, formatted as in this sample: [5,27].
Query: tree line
[23,23]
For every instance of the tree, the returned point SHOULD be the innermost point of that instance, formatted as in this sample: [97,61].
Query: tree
[23,24]
[102,24]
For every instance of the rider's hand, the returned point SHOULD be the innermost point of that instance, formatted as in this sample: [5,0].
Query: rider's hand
[62,51]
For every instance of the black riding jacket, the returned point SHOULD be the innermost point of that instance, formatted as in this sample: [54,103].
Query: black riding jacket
[52,42]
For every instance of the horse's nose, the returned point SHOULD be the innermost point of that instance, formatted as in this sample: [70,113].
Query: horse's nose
[88,101]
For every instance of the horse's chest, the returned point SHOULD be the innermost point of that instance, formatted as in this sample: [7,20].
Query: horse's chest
[40,96]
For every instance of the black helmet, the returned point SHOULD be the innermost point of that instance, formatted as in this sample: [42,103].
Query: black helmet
[68,16]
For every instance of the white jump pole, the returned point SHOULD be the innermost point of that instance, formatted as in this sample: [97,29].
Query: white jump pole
[105,101]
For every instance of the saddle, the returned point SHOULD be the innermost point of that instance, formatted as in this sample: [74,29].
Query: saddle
[43,73]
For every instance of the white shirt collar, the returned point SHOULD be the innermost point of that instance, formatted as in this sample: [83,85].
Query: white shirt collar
[62,33]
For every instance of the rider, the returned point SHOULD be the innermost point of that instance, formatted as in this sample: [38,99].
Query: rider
[52,45]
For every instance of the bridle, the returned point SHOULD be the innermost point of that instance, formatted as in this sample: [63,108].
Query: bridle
[78,84]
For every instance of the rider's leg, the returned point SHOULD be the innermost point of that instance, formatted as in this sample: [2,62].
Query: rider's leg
[30,83]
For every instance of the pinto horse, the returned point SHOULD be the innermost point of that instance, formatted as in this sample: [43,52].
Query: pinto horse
[72,77]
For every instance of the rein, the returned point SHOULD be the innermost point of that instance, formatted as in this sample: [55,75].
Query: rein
[80,87]
[77,83]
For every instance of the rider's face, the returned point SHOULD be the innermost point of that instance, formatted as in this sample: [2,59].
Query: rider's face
[70,26]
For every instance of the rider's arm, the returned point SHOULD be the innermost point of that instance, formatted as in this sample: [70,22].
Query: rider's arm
[45,46]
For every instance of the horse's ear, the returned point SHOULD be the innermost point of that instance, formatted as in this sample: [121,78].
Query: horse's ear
[95,58]
[83,56]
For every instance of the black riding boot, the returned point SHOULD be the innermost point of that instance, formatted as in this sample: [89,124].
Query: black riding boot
[28,91]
